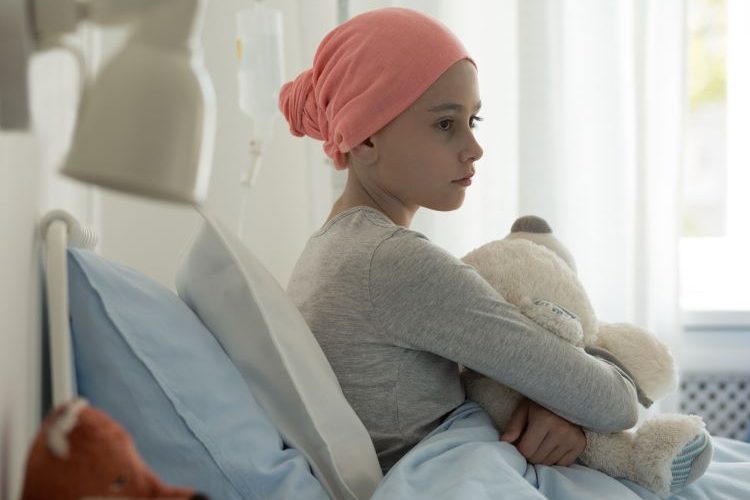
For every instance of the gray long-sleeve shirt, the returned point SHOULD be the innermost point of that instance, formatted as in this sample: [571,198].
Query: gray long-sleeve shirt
[395,314]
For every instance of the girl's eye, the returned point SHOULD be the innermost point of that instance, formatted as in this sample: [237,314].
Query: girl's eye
[445,125]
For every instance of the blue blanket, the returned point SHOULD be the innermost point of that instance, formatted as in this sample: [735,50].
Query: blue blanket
[463,458]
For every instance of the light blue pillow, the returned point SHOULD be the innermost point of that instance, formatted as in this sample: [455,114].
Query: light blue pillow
[143,356]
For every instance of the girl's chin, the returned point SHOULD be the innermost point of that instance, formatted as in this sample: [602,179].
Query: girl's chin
[447,205]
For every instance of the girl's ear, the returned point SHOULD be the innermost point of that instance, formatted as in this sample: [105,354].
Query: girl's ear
[364,153]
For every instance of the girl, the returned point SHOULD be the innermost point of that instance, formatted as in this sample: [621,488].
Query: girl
[394,96]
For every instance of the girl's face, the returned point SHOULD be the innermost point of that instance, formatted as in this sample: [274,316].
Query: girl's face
[426,155]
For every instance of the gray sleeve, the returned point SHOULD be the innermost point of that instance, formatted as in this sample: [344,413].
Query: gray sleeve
[612,359]
[428,300]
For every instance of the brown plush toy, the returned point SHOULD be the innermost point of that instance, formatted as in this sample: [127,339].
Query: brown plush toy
[82,453]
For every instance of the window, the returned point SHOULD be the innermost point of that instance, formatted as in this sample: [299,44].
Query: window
[715,243]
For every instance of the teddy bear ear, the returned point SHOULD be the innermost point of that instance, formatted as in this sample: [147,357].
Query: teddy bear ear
[530,224]
[536,229]
[60,424]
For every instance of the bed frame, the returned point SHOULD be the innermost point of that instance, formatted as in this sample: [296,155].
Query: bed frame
[61,230]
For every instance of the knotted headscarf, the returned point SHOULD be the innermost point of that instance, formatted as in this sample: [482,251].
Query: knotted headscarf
[365,73]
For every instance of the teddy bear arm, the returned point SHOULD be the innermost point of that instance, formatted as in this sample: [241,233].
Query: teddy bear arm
[646,357]
[610,358]
[554,318]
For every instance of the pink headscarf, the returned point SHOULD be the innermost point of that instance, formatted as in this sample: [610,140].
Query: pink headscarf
[365,73]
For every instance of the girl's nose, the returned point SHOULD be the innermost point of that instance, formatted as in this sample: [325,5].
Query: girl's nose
[473,151]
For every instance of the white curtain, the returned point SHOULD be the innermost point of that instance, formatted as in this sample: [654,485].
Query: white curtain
[601,130]
[601,114]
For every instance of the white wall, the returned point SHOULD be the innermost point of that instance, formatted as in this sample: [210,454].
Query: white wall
[281,210]
[144,234]
[28,188]
[19,304]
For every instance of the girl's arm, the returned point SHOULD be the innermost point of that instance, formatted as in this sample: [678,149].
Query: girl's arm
[428,300]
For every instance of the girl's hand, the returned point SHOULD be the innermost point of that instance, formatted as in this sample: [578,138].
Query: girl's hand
[542,436]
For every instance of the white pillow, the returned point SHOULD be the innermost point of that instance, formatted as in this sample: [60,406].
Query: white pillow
[268,340]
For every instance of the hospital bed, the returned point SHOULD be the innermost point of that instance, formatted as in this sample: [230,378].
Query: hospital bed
[224,389]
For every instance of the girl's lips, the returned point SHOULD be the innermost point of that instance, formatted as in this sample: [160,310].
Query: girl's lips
[466,181]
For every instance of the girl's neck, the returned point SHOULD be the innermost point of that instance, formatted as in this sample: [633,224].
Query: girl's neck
[355,194]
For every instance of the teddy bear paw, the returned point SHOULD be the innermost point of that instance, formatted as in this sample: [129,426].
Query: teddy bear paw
[671,451]
[691,462]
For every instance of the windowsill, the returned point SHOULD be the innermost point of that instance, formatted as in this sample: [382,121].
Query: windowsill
[716,320]
[714,350]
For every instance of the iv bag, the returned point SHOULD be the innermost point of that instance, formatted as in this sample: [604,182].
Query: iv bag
[261,61]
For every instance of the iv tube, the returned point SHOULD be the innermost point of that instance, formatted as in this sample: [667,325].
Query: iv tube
[259,47]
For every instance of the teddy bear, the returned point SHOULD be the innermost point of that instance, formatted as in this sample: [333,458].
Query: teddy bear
[532,270]
[80,452]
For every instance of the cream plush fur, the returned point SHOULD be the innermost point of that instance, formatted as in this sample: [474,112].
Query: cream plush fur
[534,271]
